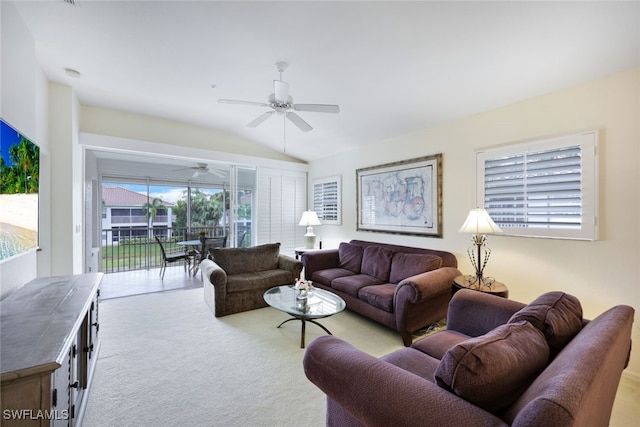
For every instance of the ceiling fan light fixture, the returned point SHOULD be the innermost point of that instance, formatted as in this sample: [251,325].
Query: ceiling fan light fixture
[281,91]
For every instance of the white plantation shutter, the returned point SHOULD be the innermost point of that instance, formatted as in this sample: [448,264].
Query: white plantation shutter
[542,188]
[294,203]
[326,199]
[281,198]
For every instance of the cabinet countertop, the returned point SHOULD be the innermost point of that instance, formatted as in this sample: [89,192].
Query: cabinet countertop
[40,316]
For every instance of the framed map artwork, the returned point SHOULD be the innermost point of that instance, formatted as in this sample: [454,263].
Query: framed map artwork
[402,197]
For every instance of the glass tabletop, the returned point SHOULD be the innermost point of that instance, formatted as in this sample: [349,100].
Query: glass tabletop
[318,304]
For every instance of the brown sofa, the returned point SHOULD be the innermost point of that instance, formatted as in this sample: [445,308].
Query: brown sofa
[236,278]
[499,363]
[402,287]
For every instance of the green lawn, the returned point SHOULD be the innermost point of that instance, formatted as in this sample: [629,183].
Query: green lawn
[134,256]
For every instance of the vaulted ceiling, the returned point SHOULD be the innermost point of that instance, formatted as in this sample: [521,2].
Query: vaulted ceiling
[392,67]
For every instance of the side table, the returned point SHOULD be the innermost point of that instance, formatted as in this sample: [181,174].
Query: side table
[495,288]
[301,251]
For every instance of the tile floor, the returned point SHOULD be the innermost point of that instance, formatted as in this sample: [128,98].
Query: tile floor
[127,283]
[626,409]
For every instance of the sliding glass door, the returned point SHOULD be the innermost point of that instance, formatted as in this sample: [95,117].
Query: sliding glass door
[136,212]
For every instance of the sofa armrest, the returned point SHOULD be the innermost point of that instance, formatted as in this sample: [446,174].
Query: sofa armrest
[377,393]
[290,264]
[213,274]
[214,285]
[424,286]
[319,260]
[475,313]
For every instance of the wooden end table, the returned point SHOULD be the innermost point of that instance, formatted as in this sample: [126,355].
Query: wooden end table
[488,286]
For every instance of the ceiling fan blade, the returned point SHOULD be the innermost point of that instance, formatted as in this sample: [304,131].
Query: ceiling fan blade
[216,172]
[297,120]
[318,108]
[181,169]
[260,119]
[234,101]
[281,90]
[195,174]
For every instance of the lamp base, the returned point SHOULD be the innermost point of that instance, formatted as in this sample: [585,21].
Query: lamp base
[310,238]
[479,261]
[310,242]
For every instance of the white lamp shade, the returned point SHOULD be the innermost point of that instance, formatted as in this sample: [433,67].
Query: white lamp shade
[479,222]
[309,218]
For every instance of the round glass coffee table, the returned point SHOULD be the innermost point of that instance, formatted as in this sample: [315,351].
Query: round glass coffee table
[318,305]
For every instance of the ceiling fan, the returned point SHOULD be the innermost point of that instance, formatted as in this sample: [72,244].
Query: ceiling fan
[281,102]
[202,169]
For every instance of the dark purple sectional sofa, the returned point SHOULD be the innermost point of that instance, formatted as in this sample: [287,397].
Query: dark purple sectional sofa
[498,363]
[402,287]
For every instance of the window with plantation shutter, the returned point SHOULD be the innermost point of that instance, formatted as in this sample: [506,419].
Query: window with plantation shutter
[326,199]
[545,188]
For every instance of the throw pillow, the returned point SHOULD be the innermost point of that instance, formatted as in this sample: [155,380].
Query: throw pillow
[405,265]
[493,370]
[376,262]
[557,314]
[350,256]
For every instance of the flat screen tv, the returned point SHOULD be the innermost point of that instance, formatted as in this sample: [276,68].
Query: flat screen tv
[19,182]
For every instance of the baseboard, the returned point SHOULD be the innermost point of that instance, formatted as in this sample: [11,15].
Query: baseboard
[632,377]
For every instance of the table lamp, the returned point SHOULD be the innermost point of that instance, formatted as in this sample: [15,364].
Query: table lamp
[309,219]
[479,223]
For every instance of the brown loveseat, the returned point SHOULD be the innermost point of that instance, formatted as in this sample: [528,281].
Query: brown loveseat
[402,287]
[237,278]
[499,363]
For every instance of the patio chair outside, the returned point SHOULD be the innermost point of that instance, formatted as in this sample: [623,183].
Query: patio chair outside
[172,257]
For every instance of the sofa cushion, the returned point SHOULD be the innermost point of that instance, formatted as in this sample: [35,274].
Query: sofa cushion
[493,370]
[557,314]
[352,284]
[436,345]
[414,361]
[406,265]
[350,256]
[376,262]
[258,280]
[327,276]
[380,296]
[247,260]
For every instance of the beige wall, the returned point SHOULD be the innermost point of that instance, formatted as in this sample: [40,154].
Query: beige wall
[66,181]
[602,273]
[113,123]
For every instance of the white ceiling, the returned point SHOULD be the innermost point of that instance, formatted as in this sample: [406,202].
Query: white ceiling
[393,67]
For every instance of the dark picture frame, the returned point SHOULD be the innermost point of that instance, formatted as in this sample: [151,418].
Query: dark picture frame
[402,197]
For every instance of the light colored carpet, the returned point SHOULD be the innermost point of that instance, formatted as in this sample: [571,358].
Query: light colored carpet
[166,360]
